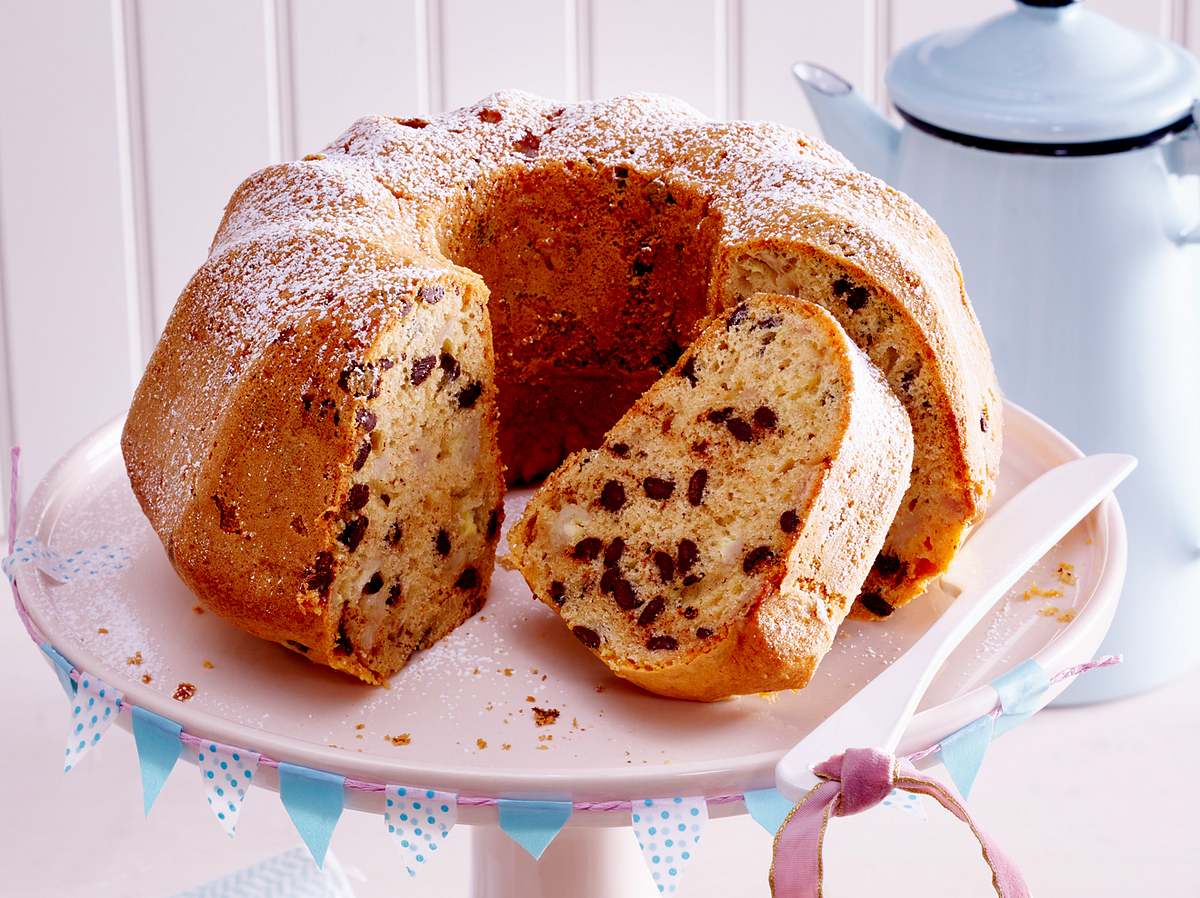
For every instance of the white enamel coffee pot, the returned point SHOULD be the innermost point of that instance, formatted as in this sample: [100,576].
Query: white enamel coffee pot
[1060,153]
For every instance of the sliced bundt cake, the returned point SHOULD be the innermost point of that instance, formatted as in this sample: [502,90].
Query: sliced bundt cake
[714,542]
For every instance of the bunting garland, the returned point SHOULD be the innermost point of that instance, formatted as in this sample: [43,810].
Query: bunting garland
[668,831]
[95,708]
[226,773]
[420,819]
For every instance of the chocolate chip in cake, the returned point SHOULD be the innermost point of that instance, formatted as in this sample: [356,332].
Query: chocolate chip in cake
[769,322]
[393,595]
[588,548]
[227,516]
[343,643]
[624,594]
[658,488]
[661,643]
[691,612]
[353,533]
[590,638]
[666,566]
[529,144]
[642,266]
[493,524]
[738,316]
[612,496]
[359,380]
[887,565]
[359,494]
[441,542]
[491,116]
[620,450]
[558,592]
[789,521]
[621,172]
[421,369]
[449,365]
[385,499]
[667,356]
[841,287]
[876,604]
[651,612]
[386,364]
[365,419]
[689,370]
[756,557]
[298,525]
[373,585]
[608,580]
[320,575]
[692,579]
[364,450]
[857,298]
[614,551]
[686,556]
[431,294]
[469,394]
[468,579]
[765,418]
[720,415]
[740,429]
[395,534]
[703,632]
[695,491]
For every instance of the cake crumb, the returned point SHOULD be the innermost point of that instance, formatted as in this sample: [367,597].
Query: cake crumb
[1049,610]
[402,739]
[103,631]
[147,679]
[543,747]
[475,671]
[360,726]
[208,665]
[1067,616]
[1035,590]
[184,691]
[545,717]
[530,699]
[196,609]
[489,707]
[481,743]
[507,671]
[505,746]
[546,737]
[769,697]
[135,659]
[1066,573]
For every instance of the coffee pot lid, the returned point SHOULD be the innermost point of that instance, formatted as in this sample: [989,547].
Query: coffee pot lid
[1048,72]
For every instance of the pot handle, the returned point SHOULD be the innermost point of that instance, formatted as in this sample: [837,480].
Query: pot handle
[1185,160]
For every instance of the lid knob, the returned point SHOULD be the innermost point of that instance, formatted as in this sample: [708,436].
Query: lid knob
[1047,3]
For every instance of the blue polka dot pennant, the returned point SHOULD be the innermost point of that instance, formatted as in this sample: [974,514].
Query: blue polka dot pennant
[64,567]
[94,707]
[668,831]
[420,819]
[226,773]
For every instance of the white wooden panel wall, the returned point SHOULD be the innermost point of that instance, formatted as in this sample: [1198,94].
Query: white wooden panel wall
[125,125]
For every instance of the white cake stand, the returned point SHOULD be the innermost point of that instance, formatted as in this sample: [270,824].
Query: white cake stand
[479,685]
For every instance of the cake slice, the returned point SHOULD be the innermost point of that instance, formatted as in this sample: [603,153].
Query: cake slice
[715,541]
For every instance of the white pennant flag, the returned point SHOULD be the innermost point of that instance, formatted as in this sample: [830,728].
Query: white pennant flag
[94,707]
[668,830]
[907,805]
[420,819]
[226,773]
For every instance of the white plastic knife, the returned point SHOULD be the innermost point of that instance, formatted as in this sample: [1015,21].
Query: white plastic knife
[999,551]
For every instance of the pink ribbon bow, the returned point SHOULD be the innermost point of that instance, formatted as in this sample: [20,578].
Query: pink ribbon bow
[852,783]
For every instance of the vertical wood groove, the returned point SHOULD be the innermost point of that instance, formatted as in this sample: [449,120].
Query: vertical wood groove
[281,130]
[135,212]
[8,418]
[435,55]
[584,72]
[733,59]
[883,50]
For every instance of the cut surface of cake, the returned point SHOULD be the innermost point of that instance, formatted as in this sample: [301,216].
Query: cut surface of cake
[714,542]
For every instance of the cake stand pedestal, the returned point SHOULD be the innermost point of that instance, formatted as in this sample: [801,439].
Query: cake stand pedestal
[460,718]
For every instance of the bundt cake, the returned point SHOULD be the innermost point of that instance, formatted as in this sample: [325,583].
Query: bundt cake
[715,541]
[315,437]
